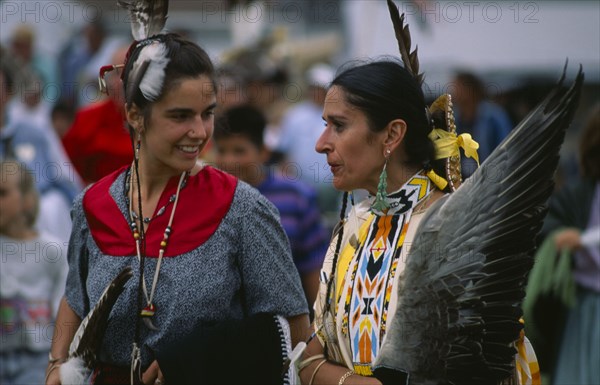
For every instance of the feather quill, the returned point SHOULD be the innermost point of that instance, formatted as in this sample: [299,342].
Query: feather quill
[88,338]
[410,59]
[148,17]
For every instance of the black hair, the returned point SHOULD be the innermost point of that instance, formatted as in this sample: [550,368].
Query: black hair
[63,108]
[384,91]
[186,60]
[245,120]
[338,245]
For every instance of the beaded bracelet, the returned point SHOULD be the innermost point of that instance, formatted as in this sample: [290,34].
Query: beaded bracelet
[345,377]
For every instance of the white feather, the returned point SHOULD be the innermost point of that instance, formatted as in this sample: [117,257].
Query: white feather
[152,82]
[74,372]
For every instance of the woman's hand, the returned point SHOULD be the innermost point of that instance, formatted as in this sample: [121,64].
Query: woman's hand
[153,375]
[568,239]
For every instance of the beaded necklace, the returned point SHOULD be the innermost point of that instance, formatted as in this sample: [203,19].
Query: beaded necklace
[150,308]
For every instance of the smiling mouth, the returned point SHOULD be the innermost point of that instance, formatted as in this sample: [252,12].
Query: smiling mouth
[189,149]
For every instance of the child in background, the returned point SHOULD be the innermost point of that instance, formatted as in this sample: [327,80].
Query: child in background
[239,142]
[33,271]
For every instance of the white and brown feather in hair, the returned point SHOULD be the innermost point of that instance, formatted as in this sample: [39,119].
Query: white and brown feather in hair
[148,17]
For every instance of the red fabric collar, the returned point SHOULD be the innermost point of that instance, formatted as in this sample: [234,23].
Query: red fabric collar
[203,203]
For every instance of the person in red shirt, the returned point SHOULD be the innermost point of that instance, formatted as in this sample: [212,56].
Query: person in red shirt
[98,142]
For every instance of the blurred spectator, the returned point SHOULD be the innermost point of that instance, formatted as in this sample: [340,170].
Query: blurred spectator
[301,127]
[563,295]
[241,152]
[266,92]
[30,109]
[23,50]
[29,106]
[80,61]
[232,89]
[98,143]
[487,122]
[62,118]
[54,178]
[33,269]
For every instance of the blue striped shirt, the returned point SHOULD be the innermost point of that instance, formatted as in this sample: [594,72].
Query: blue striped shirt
[300,218]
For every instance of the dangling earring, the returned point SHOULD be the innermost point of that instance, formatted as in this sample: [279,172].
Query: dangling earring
[380,204]
[137,146]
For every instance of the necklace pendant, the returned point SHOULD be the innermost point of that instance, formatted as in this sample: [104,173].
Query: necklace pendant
[147,314]
[148,311]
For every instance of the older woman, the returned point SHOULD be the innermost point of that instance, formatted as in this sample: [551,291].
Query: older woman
[420,285]
[371,128]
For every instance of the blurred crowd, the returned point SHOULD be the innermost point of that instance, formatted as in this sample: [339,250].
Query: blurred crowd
[269,117]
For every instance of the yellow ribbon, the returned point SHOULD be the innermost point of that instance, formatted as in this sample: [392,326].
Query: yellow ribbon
[440,182]
[447,144]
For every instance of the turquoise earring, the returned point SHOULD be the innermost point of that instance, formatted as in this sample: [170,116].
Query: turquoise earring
[380,204]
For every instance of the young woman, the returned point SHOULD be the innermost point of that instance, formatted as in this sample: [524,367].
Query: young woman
[213,252]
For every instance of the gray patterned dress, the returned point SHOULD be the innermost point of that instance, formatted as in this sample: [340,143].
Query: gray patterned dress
[227,258]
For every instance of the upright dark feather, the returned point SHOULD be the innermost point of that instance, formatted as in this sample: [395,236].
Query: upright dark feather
[148,17]
[410,59]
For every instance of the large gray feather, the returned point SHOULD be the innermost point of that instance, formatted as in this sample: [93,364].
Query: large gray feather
[148,17]
[461,292]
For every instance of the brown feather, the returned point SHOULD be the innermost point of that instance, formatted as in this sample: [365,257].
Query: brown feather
[88,338]
[411,61]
